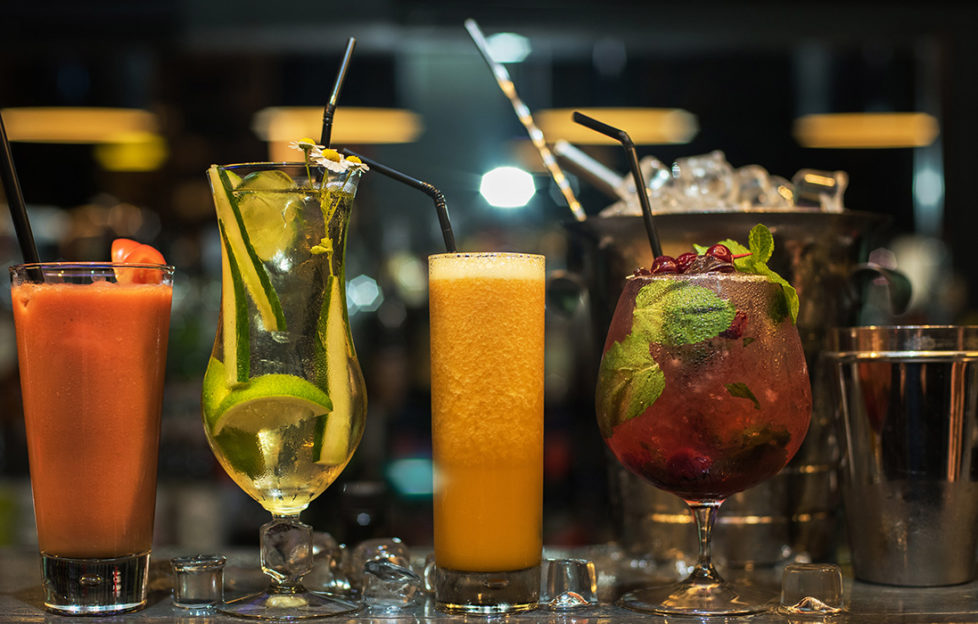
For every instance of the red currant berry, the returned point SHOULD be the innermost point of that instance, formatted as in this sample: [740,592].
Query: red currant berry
[684,260]
[720,252]
[664,264]
[688,465]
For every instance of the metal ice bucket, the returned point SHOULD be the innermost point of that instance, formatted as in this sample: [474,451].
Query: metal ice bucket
[792,516]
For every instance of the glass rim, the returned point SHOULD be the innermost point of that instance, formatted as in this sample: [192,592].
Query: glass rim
[89,265]
[708,274]
[484,254]
[268,164]
[888,339]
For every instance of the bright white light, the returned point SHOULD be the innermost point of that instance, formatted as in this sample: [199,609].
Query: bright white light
[364,294]
[507,187]
[508,47]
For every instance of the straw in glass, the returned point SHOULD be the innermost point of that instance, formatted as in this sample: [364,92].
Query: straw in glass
[643,197]
[15,199]
[335,95]
[441,207]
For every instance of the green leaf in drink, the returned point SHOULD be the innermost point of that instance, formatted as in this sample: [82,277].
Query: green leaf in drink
[742,391]
[629,381]
[677,312]
[667,312]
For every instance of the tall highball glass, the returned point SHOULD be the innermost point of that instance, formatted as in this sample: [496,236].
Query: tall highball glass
[283,395]
[91,341]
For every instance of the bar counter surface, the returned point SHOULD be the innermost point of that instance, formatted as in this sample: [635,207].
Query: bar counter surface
[20,601]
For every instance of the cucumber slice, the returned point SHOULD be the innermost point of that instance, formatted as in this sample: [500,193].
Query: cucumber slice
[234,316]
[333,334]
[252,271]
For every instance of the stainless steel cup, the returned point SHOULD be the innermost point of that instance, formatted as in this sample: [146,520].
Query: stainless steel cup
[907,398]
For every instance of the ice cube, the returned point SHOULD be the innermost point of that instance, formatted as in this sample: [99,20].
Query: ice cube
[820,189]
[705,181]
[329,560]
[654,173]
[381,570]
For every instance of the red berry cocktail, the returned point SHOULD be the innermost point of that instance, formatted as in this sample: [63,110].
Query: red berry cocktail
[704,392]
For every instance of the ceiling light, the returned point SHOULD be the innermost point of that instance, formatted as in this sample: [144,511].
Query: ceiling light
[645,126]
[351,126]
[64,124]
[866,130]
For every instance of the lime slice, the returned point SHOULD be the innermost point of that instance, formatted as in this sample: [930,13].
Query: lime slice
[215,388]
[268,401]
[248,422]
[253,273]
[270,216]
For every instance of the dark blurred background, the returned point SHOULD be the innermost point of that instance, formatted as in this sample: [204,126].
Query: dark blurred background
[203,71]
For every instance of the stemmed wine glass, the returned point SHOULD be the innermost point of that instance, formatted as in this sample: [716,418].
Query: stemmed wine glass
[703,391]
[283,395]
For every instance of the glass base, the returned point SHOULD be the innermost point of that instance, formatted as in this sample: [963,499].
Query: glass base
[698,598]
[83,586]
[487,592]
[299,606]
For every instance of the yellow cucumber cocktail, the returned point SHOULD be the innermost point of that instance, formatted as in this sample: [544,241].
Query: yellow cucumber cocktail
[283,397]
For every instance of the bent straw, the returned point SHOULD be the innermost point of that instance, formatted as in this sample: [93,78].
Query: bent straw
[437,196]
[15,200]
[523,113]
[324,137]
[643,196]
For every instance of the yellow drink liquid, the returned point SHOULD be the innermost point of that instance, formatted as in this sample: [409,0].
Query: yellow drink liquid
[487,337]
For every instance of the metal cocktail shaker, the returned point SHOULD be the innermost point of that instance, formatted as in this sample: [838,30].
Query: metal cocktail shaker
[908,403]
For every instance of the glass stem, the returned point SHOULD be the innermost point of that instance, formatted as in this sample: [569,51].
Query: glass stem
[286,553]
[705,514]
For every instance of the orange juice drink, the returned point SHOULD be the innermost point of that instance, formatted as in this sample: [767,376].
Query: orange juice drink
[487,346]
[92,355]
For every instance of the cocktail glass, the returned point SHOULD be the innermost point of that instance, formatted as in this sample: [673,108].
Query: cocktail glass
[283,395]
[702,391]
[91,341]
[487,347]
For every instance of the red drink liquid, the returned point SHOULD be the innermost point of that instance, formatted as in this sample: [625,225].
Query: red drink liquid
[91,363]
[703,388]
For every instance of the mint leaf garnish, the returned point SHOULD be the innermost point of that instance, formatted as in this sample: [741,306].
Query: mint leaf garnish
[667,312]
[761,243]
[761,248]
[677,312]
[742,391]
[629,381]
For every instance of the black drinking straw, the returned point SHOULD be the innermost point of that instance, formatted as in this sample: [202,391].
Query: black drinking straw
[622,137]
[335,96]
[437,196]
[15,200]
